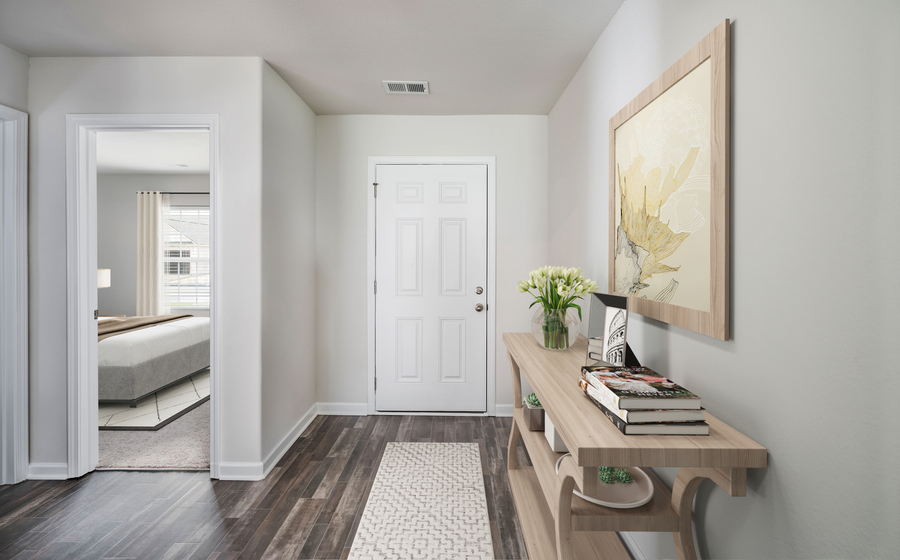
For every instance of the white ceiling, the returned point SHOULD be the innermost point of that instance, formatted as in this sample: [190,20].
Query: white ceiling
[479,56]
[176,152]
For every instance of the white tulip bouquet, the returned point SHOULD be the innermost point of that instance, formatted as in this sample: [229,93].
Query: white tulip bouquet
[556,288]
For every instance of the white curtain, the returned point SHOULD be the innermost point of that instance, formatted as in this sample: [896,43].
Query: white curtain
[150,252]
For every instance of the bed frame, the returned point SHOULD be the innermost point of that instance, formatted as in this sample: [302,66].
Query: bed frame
[128,385]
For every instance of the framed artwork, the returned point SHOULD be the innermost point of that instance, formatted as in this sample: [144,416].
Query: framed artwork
[669,152]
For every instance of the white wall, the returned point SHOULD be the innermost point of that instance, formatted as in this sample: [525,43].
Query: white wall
[344,144]
[811,370]
[13,79]
[229,87]
[117,232]
[288,262]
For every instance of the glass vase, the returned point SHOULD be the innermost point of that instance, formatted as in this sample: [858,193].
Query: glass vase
[555,329]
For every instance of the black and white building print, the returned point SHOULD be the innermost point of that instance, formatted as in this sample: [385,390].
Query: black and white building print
[614,335]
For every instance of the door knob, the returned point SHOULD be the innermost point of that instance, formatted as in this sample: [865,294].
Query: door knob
[479,290]
[479,307]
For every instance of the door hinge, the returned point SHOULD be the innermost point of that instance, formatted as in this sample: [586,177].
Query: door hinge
[376,286]
[376,383]
[96,314]
[376,189]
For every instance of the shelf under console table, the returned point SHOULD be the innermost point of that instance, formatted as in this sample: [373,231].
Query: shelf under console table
[556,523]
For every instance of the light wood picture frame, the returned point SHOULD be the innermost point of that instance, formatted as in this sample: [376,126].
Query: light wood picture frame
[669,195]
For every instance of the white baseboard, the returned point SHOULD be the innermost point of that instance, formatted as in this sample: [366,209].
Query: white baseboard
[343,409]
[362,409]
[48,471]
[241,471]
[633,548]
[288,440]
[504,410]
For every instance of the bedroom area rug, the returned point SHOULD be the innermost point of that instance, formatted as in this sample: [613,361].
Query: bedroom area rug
[181,445]
[427,501]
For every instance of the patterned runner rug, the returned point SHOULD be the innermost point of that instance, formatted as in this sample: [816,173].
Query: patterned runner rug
[427,501]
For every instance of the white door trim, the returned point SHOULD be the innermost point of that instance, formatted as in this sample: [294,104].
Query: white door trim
[81,208]
[14,296]
[491,163]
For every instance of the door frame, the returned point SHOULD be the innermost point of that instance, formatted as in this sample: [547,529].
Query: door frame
[81,217]
[491,163]
[14,296]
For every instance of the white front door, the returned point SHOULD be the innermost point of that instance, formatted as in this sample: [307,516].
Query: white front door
[431,281]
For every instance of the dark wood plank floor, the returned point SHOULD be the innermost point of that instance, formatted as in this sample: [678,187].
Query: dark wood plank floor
[308,507]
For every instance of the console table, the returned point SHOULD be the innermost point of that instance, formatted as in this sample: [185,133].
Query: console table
[556,523]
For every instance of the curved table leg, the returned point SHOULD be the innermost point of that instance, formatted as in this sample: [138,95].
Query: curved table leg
[513,444]
[683,491]
[517,403]
[564,549]
[516,380]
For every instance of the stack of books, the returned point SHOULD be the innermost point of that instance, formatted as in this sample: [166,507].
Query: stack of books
[595,349]
[640,401]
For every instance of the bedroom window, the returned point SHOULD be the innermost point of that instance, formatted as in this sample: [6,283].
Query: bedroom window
[177,267]
[186,257]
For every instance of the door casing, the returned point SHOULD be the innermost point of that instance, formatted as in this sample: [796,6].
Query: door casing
[490,161]
[14,296]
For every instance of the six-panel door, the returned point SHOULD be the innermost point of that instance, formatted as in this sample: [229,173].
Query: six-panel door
[430,264]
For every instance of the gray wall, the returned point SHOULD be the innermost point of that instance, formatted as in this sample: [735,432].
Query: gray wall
[344,143]
[288,262]
[230,87]
[117,232]
[13,79]
[811,372]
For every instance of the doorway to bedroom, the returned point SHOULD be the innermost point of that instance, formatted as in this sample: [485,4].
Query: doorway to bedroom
[153,262]
[139,222]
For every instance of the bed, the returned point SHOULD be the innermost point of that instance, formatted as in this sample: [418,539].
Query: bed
[139,356]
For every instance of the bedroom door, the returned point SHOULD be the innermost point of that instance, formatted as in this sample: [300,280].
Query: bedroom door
[431,277]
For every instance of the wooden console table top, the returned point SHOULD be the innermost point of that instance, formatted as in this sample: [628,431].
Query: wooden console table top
[594,441]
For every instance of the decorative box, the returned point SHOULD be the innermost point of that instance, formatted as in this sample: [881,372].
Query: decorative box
[556,442]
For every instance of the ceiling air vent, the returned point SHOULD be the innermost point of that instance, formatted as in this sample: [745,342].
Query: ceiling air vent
[393,86]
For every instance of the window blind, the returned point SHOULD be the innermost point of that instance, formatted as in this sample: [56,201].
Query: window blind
[186,257]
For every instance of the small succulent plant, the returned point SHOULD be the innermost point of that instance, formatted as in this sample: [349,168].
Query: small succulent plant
[533,401]
[611,475]
[624,476]
[607,476]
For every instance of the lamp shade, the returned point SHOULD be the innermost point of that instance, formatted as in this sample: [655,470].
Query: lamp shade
[103,278]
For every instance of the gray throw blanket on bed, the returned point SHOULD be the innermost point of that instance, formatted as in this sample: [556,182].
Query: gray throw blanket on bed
[121,325]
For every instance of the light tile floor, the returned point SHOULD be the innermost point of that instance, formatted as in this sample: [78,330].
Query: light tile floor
[159,406]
